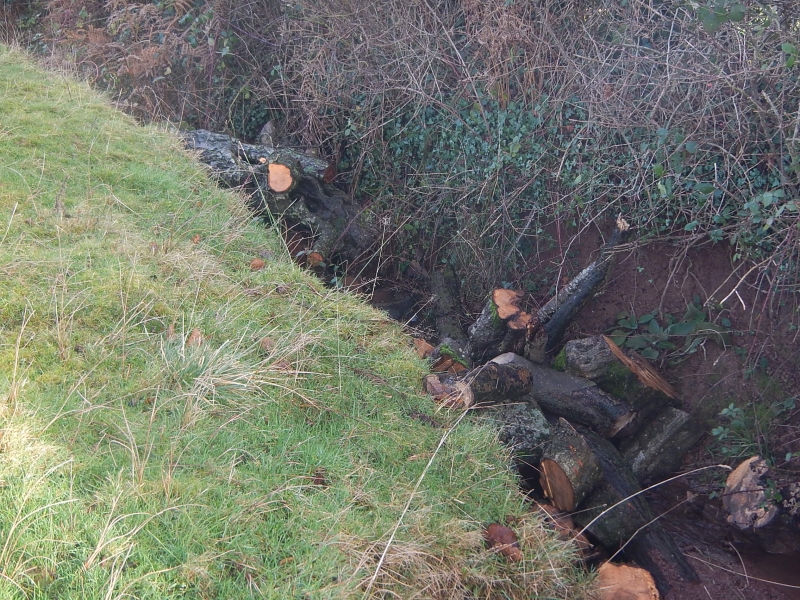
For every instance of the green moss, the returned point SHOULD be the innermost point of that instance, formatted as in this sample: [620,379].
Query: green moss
[560,361]
[449,352]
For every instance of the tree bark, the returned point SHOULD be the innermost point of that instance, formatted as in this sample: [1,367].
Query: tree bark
[657,449]
[577,400]
[569,467]
[767,514]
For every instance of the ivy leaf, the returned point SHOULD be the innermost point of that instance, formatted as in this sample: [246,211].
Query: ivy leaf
[655,328]
[636,342]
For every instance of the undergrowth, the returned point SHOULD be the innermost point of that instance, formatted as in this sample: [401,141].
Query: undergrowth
[175,425]
[475,128]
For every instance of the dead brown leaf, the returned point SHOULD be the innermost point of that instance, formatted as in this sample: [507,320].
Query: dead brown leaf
[423,348]
[195,338]
[504,540]
[256,264]
[196,238]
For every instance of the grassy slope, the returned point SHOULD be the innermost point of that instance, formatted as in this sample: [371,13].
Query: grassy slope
[135,464]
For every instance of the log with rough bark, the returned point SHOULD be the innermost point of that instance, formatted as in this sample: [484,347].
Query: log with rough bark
[616,514]
[521,426]
[557,314]
[657,449]
[569,468]
[577,400]
[765,512]
[633,379]
[445,290]
[501,327]
[286,184]
[491,382]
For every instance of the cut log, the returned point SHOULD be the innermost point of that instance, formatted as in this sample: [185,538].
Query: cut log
[569,468]
[488,383]
[625,582]
[522,427]
[658,448]
[577,400]
[501,327]
[766,513]
[338,223]
[616,513]
[557,314]
[594,359]
[494,382]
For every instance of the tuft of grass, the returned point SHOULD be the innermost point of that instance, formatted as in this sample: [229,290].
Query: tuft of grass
[173,425]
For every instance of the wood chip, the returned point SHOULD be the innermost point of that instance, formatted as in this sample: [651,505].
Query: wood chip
[507,302]
[422,348]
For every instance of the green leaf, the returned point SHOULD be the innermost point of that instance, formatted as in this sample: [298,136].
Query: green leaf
[646,318]
[691,226]
[691,147]
[658,170]
[681,328]
[618,337]
[704,188]
[725,322]
[636,342]
[665,345]
[649,353]
[789,48]
[622,315]
[655,328]
[630,323]
[736,13]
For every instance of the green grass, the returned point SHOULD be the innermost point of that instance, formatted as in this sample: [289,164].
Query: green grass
[136,464]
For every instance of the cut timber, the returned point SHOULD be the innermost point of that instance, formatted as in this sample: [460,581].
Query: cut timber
[569,468]
[284,173]
[658,448]
[768,515]
[594,359]
[558,313]
[494,382]
[644,371]
[501,327]
[577,400]
[624,582]
[522,427]
[616,513]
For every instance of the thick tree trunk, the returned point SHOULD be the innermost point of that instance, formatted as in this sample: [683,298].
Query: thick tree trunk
[577,400]
[285,184]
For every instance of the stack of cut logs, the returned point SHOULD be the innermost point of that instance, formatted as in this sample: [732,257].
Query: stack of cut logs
[596,430]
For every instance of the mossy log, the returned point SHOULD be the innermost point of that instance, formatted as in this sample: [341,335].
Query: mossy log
[339,225]
[593,359]
[616,513]
[521,426]
[569,468]
[763,511]
[445,291]
[577,400]
[657,449]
